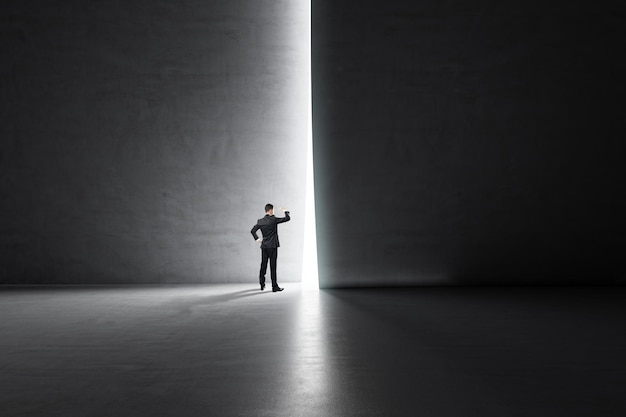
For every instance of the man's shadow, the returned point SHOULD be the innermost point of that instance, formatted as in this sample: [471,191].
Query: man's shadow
[214,300]
[222,298]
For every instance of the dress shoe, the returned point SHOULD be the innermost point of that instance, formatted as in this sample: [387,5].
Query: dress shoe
[262,287]
[277,289]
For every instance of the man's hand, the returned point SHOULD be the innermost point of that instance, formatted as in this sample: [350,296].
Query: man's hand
[283,209]
[259,240]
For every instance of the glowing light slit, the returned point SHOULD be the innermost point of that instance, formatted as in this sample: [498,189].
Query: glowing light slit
[310,279]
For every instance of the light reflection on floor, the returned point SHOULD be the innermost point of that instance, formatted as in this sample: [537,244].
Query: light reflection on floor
[311,374]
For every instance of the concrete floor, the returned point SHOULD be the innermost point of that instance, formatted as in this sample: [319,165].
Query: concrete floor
[232,350]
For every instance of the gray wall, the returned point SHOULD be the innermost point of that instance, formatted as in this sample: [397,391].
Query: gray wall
[140,140]
[474,142]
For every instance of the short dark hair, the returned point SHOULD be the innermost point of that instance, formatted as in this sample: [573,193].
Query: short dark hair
[268,207]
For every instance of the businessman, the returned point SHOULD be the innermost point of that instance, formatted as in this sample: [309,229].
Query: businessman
[269,243]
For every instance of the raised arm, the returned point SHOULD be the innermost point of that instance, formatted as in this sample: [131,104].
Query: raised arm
[283,219]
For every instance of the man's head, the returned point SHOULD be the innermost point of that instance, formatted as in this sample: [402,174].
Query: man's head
[269,209]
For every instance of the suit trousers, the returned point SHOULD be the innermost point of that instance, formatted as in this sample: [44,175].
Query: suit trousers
[270,254]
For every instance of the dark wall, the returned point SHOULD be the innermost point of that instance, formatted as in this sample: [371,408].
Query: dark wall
[140,140]
[471,142]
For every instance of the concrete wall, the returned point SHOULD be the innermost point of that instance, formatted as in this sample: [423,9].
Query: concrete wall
[140,140]
[475,142]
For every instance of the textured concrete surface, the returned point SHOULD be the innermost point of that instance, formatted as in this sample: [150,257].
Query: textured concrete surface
[140,140]
[232,350]
[469,142]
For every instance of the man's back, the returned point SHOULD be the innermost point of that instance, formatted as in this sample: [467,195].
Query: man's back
[269,228]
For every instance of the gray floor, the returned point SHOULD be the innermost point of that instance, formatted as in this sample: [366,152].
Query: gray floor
[231,350]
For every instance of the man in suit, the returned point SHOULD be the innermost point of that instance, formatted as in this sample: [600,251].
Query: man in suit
[269,243]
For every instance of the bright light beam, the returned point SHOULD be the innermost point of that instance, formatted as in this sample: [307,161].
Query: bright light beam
[310,280]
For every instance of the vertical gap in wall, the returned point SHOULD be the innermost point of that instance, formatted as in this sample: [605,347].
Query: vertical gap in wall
[310,279]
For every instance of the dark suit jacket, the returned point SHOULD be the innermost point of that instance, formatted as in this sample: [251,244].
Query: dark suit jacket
[269,229]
